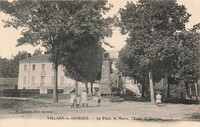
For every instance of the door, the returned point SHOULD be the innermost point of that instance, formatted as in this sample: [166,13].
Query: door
[42,88]
[42,81]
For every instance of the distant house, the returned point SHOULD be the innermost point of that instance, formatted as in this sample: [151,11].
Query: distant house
[131,85]
[37,72]
[8,83]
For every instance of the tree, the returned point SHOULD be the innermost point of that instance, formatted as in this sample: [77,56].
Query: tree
[37,52]
[129,65]
[188,64]
[59,26]
[10,67]
[85,64]
[21,55]
[1,61]
[196,28]
[4,68]
[151,26]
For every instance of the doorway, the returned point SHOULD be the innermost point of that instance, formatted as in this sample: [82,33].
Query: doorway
[42,88]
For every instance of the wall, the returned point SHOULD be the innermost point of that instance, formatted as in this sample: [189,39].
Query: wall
[31,79]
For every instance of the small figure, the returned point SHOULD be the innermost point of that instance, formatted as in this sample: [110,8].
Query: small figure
[78,99]
[158,99]
[99,99]
[72,99]
[84,98]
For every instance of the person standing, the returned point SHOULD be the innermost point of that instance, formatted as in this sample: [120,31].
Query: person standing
[158,99]
[99,99]
[84,98]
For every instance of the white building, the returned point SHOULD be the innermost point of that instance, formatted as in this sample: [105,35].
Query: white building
[37,72]
[132,85]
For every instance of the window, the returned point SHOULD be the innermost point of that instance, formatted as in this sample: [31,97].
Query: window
[33,80]
[25,67]
[43,66]
[33,67]
[24,80]
[42,81]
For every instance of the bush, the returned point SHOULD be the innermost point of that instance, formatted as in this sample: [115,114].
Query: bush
[179,101]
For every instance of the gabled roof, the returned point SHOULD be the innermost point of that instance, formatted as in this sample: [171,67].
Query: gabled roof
[38,59]
[8,81]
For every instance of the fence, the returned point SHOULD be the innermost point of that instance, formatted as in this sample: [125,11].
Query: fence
[24,92]
[20,92]
[50,91]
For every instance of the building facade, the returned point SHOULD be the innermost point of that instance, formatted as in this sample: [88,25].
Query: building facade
[37,72]
[132,85]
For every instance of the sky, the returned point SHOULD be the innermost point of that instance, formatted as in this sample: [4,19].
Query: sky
[9,36]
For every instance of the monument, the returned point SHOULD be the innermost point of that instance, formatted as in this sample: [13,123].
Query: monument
[105,82]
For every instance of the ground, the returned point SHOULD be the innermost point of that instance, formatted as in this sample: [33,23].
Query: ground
[43,108]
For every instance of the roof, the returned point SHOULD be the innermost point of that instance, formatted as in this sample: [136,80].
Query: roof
[8,81]
[37,59]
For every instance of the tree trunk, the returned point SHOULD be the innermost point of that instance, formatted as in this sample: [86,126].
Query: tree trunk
[76,88]
[143,89]
[151,87]
[146,86]
[86,87]
[196,92]
[198,84]
[168,86]
[187,89]
[190,90]
[91,88]
[56,64]
[168,90]
[55,90]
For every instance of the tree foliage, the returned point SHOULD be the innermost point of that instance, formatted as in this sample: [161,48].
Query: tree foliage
[37,52]
[187,63]
[85,64]
[53,24]
[155,40]
[62,27]
[10,67]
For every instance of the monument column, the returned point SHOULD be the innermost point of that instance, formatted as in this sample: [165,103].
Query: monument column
[105,82]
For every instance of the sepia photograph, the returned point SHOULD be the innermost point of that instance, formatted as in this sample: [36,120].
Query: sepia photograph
[100,63]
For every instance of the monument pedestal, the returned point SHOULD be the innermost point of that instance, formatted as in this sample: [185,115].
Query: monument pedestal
[105,82]
[105,87]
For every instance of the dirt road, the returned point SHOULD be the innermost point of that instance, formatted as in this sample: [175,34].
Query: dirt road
[11,108]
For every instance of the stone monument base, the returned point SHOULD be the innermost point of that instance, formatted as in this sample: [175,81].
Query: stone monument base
[105,87]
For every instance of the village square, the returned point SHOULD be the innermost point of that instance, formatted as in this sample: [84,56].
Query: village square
[71,75]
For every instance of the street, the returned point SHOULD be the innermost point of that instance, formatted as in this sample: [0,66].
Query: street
[126,110]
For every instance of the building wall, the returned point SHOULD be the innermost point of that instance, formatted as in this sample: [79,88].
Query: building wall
[37,75]
[131,84]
